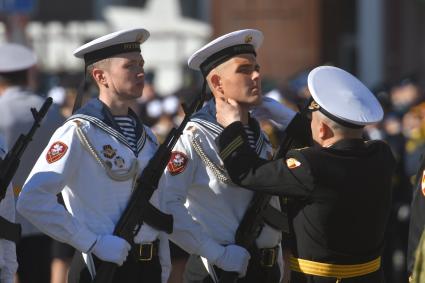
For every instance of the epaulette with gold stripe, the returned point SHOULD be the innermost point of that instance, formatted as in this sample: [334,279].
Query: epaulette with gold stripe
[301,148]
[231,147]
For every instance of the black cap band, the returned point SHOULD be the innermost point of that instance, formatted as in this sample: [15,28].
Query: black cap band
[97,55]
[224,55]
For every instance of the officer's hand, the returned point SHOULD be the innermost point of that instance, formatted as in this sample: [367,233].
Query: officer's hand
[235,258]
[273,110]
[228,111]
[111,248]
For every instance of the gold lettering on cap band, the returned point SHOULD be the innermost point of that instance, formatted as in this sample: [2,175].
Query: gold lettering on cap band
[131,45]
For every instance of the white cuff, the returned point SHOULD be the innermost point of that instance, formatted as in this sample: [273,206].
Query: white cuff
[82,240]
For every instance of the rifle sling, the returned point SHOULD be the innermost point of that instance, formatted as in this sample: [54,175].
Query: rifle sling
[275,218]
[157,219]
[9,230]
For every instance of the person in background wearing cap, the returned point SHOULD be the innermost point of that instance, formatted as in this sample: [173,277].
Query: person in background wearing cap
[8,262]
[341,184]
[93,160]
[206,227]
[16,100]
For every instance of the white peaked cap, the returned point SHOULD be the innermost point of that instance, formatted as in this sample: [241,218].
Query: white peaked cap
[343,98]
[239,38]
[15,57]
[120,41]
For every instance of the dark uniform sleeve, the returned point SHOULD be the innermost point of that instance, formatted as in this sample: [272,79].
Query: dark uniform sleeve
[299,129]
[246,169]
[417,224]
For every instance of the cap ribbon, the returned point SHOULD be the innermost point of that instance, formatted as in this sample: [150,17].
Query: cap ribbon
[103,53]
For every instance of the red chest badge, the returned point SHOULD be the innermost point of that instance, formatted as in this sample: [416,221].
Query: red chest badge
[56,151]
[177,163]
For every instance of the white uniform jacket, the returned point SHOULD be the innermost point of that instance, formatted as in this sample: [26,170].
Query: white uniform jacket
[8,263]
[94,200]
[207,208]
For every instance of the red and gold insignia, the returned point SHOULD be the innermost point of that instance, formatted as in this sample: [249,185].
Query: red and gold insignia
[423,183]
[177,163]
[292,163]
[108,151]
[56,151]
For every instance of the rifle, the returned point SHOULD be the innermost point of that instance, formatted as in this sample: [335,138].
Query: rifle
[260,211]
[10,164]
[139,209]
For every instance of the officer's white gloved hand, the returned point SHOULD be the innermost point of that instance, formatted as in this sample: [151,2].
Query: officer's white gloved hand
[111,248]
[274,111]
[235,258]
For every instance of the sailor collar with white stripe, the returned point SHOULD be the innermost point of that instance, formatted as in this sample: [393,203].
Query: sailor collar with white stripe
[98,113]
[206,117]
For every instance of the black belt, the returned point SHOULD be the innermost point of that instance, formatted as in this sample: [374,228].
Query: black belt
[145,251]
[266,257]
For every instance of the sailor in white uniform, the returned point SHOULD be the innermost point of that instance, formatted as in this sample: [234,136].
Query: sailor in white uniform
[207,207]
[93,160]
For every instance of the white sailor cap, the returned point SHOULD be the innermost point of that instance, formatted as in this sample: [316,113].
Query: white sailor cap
[225,47]
[118,42]
[343,98]
[15,57]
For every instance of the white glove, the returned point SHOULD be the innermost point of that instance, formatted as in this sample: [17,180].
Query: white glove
[146,234]
[274,111]
[111,248]
[235,258]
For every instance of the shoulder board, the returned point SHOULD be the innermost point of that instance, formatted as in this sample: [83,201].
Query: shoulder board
[301,148]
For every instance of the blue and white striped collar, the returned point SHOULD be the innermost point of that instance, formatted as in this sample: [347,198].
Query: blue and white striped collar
[98,113]
[206,117]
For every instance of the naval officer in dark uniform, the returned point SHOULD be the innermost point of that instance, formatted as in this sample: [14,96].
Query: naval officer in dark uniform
[341,184]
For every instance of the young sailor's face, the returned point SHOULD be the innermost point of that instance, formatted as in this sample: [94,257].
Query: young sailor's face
[241,80]
[126,75]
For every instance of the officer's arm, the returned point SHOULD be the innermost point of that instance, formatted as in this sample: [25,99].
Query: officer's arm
[290,176]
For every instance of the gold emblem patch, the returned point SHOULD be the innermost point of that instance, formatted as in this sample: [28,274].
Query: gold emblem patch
[248,39]
[108,151]
[292,163]
[423,183]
